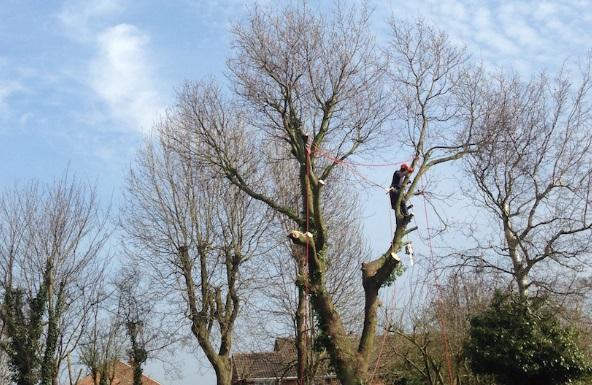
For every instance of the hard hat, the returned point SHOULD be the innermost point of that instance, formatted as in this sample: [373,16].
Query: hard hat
[405,167]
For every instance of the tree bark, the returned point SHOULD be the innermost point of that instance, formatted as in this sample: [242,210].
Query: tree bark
[53,311]
[223,371]
[199,324]
[301,332]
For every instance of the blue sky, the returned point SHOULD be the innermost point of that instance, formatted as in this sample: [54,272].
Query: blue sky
[81,82]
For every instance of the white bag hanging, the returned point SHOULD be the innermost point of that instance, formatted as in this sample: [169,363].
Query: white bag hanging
[409,252]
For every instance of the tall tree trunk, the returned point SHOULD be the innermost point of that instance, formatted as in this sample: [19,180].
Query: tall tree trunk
[137,367]
[223,369]
[51,340]
[220,360]
[48,370]
[301,346]
[302,279]
[518,262]
[138,353]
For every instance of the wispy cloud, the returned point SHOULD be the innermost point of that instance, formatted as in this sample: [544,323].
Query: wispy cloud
[122,77]
[216,16]
[78,17]
[528,35]
[8,89]
[119,72]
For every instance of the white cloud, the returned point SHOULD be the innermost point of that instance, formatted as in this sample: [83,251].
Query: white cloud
[544,10]
[122,77]
[119,72]
[8,89]
[530,35]
[482,18]
[25,118]
[79,16]
[497,42]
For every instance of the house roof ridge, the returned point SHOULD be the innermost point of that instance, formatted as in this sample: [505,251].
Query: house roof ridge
[251,353]
[143,374]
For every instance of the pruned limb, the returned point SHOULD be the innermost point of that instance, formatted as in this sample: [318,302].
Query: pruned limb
[300,238]
[395,256]
[410,230]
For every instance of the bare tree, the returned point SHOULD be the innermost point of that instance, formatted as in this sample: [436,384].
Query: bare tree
[195,232]
[420,354]
[534,177]
[147,329]
[5,374]
[103,343]
[125,325]
[50,241]
[311,84]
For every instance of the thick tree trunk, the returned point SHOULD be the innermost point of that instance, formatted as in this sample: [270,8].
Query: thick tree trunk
[518,262]
[51,340]
[523,282]
[303,277]
[219,359]
[301,346]
[369,332]
[223,370]
[338,346]
[48,372]
[351,365]
[137,373]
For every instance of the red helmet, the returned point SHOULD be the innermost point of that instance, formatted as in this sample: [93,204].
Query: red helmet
[405,167]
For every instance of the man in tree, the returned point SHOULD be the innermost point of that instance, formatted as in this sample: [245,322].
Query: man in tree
[399,177]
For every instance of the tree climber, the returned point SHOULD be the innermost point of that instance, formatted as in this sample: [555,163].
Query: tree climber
[399,177]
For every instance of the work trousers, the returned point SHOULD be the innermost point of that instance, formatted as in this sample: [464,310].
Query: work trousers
[394,195]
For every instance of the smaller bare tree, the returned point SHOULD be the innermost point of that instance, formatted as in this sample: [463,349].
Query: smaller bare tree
[148,331]
[50,243]
[416,351]
[102,344]
[533,176]
[194,231]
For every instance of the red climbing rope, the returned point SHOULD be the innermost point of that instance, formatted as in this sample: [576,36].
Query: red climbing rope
[307,165]
[352,165]
[327,155]
[441,319]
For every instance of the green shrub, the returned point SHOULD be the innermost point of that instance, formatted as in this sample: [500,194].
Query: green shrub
[521,341]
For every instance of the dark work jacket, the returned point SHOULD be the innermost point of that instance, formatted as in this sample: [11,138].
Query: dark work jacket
[397,182]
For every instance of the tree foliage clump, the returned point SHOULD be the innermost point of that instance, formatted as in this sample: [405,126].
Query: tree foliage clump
[23,320]
[521,341]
